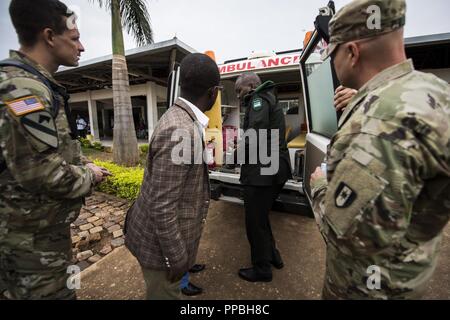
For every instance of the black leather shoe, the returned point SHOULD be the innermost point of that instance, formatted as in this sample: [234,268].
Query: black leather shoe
[197,268]
[191,290]
[251,275]
[277,262]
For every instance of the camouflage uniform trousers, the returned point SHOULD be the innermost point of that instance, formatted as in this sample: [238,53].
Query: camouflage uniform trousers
[344,283]
[34,266]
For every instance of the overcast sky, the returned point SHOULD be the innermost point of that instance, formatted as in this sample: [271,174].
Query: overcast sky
[232,28]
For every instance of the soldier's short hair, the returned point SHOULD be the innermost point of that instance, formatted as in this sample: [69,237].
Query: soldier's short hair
[31,17]
[198,73]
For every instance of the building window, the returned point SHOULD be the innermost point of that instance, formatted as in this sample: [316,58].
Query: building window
[162,108]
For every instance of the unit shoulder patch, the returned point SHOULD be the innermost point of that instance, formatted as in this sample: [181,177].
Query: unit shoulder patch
[25,105]
[41,126]
[344,196]
[257,104]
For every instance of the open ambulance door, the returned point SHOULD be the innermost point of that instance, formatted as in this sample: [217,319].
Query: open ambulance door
[173,90]
[319,83]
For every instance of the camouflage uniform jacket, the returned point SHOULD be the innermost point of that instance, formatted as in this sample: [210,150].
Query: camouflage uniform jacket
[44,181]
[387,199]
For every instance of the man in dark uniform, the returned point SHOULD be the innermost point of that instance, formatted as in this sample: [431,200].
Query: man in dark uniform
[261,186]
[42,176]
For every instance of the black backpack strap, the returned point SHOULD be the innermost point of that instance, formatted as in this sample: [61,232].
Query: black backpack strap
[54,89]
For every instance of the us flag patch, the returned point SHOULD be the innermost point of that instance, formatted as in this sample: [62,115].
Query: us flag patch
[25,105]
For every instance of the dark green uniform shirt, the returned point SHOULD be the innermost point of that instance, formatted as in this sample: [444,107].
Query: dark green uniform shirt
[262,114]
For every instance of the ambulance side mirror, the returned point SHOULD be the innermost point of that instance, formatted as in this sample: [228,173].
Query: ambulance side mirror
[321,25]
[323,20]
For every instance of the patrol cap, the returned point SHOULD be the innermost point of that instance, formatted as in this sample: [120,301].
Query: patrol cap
[361,19]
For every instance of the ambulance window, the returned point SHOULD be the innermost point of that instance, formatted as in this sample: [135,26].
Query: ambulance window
[289,106]
[323,119]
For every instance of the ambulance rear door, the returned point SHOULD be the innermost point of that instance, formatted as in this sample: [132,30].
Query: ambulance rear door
[319,83]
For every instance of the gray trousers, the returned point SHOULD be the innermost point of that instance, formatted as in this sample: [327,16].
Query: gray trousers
[158,287]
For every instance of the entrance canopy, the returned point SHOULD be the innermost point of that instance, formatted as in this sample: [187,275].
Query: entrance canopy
[150,63]
[91,94]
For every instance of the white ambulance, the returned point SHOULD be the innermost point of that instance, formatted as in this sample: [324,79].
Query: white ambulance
[283,69]
[305,87]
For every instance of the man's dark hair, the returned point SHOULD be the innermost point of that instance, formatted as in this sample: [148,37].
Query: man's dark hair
[198,73]
[31,17]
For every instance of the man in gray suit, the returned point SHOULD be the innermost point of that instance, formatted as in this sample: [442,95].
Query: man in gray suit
[164,225]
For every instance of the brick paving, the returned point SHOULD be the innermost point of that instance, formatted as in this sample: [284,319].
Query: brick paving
[98,229]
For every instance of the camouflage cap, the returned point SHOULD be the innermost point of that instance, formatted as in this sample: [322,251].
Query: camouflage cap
[362,19]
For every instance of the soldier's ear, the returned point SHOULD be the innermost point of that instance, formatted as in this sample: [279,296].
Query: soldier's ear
[353,53]
[48,36]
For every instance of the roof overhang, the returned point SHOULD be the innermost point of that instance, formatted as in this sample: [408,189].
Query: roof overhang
[433,39]
[149,63]
[430,51]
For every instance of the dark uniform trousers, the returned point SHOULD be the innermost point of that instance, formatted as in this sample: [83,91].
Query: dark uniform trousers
[258,202]
[260,191]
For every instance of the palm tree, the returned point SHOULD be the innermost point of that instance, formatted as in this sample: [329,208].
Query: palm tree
[133,16]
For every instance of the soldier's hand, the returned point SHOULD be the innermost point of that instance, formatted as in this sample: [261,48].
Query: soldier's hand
[342,97]
[98,172]
[318,174]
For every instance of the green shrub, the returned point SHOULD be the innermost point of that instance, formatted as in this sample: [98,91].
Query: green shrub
[98,146]
[124,183]
[85,142]
[144,148]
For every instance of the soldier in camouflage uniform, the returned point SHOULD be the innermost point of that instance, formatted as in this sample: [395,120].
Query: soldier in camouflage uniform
[42,177]
[386,198]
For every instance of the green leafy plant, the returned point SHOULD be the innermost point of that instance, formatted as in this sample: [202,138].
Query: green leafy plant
[98,146]
[144,148]
[85,143]
[125,182]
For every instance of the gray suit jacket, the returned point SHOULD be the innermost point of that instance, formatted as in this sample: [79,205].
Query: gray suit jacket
[164,226]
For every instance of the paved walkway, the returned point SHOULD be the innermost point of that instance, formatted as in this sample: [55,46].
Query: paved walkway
[98,229]
[224,249]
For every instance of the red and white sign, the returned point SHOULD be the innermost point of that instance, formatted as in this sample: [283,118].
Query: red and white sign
[257,64]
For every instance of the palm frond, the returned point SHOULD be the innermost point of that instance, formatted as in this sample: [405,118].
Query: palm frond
[136,20]
[103,4]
